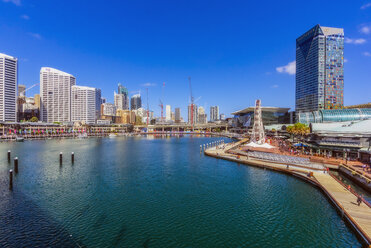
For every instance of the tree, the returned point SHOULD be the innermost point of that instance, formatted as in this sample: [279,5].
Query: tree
[138,120]
[33,119]
[298,129]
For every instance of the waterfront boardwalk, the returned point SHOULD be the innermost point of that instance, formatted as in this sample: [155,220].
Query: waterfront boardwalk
[359,217]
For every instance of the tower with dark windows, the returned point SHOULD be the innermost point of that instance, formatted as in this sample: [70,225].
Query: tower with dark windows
[319,69]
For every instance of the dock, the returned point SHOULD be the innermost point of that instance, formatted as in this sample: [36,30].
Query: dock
[343,198]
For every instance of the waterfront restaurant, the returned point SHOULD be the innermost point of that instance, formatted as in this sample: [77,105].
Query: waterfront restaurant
[244,119]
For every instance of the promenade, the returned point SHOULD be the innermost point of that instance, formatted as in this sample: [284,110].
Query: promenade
[344,199]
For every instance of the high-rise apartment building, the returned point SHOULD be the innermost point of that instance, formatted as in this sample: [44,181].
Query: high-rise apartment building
[8,88]
[123,98]
[214,113]
[108,109]
[136,102]
[85,104]
[202,117]
[177,115]
[55,95]
[195,114]
[319,69]
[168,113]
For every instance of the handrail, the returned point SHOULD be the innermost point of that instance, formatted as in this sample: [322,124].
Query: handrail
[351,190]
[353,170]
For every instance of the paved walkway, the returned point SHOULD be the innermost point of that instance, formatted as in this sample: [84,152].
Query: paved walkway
[348,201]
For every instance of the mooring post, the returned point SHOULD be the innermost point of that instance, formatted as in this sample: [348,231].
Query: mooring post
[9,152]
[72,157]
[200,149]
[60,157]
[16,165]
[10,179]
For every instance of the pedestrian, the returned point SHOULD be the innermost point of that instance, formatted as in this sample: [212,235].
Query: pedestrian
[359,200]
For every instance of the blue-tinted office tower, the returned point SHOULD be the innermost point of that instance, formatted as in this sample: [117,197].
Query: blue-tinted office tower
[319,69]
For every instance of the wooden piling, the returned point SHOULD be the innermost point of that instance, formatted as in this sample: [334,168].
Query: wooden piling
[9,153]
[10,179]
[16,165]
[60,157]
[72,157]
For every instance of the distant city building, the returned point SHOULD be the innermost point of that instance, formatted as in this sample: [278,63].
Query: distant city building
[202,117]
[177,115]
[84,104]
[37,100]
[214,113]
[136,102]
[108,109]
[195,114]
[222,117]
[8,88]
[319,69]
[120,101]
[103,100]
[123,91]
[270,115]
[55,95]
[27,108]
[168,113]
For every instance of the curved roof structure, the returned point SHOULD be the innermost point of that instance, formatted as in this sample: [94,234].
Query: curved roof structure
[334,115]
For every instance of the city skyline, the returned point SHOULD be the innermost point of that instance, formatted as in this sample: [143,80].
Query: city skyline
[243,67]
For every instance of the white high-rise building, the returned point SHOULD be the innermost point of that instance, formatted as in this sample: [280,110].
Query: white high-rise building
[168,113]
[55,95]
[84,104]
[214,113]
[120,101]
[8,88]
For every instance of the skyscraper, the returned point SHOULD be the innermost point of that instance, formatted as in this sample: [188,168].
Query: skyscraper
[177,115]
[136,102]
[168,113]
[319,69]
[120,101]
[202,117]
[8,88]
[195,114]
[214,113]
[121,90]
[84,104]
[55,95]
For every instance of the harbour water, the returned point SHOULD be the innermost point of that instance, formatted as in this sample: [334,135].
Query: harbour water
[156,192]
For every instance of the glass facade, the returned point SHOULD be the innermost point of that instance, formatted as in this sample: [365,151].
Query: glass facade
[319,69]
[269,118]
[334,115]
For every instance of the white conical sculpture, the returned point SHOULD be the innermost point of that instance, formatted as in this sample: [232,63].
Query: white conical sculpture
[258,135]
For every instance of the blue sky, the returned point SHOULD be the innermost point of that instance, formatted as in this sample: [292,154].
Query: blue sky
[235,51]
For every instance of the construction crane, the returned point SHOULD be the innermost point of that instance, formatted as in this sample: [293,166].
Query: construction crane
[192,102]
[28,88]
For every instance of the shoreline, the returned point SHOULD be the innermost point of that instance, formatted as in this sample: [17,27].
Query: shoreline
[317,179]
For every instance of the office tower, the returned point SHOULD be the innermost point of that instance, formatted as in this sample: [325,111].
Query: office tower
[195,114]
[8,88]
[222,117]
[108,109]
[98,102]
[214,113]
[177,115]
[319,69]
[125,98]
[168,113]
[202,117]
[37,100]
[21,90]
[103,100]
[55,95]
[136,102]
[84,104]
[120,101]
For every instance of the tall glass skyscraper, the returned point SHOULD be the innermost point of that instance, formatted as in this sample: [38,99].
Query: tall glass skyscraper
[319,69]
